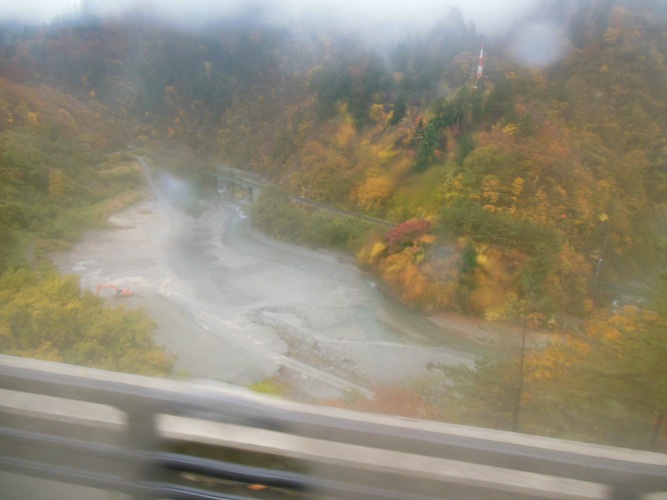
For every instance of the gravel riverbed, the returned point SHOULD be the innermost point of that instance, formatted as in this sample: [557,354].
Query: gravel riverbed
[239,307]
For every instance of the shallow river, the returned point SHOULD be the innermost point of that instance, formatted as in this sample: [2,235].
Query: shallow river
[237,306]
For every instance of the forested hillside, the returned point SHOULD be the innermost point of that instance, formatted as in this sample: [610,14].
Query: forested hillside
[532,189]
[62,171]
[535,194]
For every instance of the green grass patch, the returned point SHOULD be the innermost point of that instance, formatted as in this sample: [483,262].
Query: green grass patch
[281,217]
[419,195]
[269,386]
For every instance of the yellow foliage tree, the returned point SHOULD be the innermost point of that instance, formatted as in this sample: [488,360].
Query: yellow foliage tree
[374,192]
[493,281]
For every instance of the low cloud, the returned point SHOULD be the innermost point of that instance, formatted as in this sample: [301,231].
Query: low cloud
[489,16]
[538,44]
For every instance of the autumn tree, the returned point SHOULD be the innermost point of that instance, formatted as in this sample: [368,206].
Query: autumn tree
[50,318]
[604,383]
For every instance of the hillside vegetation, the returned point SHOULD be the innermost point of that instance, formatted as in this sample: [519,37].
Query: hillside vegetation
[60,174]
[534,189]
[535,195]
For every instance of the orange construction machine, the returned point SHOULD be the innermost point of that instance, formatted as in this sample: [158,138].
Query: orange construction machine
[118,292]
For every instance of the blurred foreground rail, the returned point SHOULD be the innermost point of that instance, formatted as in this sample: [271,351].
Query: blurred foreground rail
[72,432]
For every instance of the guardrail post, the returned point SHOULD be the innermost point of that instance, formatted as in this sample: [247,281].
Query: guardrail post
[142,440]
[619,492]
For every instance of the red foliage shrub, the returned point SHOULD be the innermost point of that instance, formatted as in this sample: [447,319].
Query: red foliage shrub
[405,234]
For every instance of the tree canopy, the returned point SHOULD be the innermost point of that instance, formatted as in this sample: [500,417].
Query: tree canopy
[50,317]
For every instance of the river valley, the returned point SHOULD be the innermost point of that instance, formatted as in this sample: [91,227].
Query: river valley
[239,307]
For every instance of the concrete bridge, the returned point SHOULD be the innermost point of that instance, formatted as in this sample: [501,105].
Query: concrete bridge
[72,432]
[231,179]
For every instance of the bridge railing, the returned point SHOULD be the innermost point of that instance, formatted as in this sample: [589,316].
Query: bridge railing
[154,438]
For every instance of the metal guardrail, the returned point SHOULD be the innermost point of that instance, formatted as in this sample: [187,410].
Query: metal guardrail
[339,211]
[155,438]
[240,177]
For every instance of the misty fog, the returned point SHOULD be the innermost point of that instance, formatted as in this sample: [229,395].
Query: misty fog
[370,18]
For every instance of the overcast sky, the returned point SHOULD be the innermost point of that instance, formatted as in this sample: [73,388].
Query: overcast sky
[488,15]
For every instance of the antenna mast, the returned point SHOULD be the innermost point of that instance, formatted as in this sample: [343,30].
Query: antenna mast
[480,66]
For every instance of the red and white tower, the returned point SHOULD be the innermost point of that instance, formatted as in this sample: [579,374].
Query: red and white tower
[480,66]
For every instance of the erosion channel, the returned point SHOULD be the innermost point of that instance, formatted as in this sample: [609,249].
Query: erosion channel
[237,306]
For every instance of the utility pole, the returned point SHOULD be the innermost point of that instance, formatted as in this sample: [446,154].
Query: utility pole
[519,391]
[595,280]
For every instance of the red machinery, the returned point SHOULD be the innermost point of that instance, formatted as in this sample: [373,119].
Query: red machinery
[118,292]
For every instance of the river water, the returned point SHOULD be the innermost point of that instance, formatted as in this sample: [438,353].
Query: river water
[237,306]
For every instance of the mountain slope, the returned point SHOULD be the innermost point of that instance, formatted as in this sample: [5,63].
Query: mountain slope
[530,191]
